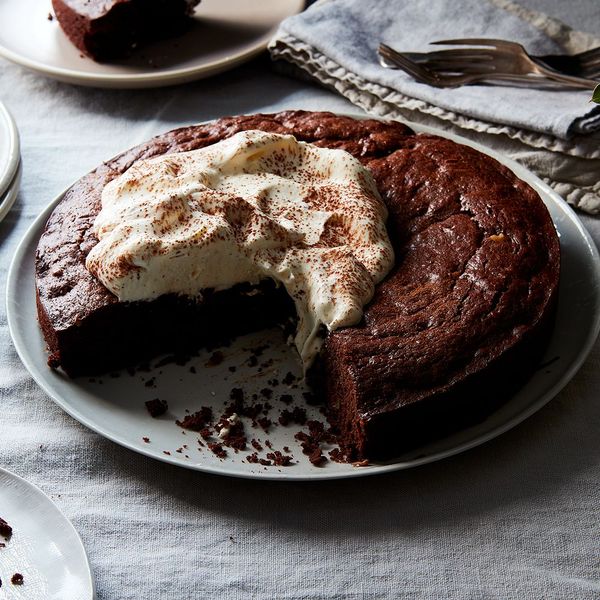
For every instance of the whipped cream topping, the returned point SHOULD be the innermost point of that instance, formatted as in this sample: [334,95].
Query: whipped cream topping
[257,205]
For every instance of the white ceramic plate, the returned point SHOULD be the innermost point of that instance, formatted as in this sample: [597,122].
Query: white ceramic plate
[114,407]
[225,34]
[10,195]
[44,548]
[9,149]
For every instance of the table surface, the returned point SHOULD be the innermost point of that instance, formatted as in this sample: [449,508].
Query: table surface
[515,518]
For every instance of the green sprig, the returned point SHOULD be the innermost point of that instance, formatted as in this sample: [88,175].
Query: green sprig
[596,94]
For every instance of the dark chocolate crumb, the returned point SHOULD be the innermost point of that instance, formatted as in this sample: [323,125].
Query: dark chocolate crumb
[265,423]
[215,359]
[151,382]
[252,361]
[289,378]
[279,459]
[17,579]
[198,420]
[157,407]
[237,394]
[146,440]
[217,449]
[5,529]
[316,457]
[192,369]
[232,369]
[286,398]
[337,456]
[298,416]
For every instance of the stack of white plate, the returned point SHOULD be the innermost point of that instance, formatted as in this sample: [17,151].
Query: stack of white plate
[10,161]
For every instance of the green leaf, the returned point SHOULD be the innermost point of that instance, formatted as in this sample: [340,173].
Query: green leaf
[596,94]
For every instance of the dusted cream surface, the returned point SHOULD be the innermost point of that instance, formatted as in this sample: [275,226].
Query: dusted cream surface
[257,205]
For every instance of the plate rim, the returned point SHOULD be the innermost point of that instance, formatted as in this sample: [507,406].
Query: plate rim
[143,80]
[371,470]
[37,490]
[12,193]
[8,174]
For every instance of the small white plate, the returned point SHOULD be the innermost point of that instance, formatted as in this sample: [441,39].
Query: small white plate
[9,149]
[225,34]
[44,548]
[10,195]
[114,407]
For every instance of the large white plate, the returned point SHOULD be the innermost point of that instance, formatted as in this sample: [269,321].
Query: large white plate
[114,407]
[225,34]
[9,149]
[44,548]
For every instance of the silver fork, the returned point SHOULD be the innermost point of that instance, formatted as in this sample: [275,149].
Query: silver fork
[584,64]
[506,62]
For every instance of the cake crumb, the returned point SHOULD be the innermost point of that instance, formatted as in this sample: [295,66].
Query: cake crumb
[17,579]
[157,407]
[5,529]
[198,420]
[279,459]
[215,359]
[217,449]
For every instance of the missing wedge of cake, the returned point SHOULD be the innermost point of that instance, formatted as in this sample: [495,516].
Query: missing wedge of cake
[423,273]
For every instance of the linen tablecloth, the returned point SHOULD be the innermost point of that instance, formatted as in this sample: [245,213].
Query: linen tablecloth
[515,518]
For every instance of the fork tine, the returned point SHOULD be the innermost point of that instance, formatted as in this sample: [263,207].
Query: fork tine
[477,42]
[460,66]
[419,73]
[458,54]
[592,54]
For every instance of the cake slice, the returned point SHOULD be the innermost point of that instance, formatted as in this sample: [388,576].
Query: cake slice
[109,29]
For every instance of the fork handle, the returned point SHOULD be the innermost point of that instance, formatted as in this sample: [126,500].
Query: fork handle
[579,82]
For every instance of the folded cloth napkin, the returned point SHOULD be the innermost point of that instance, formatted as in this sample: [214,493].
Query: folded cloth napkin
[554,133]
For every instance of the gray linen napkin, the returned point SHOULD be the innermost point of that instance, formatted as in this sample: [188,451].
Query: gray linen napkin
[551,132]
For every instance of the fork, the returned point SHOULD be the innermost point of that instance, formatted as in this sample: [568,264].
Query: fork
[389,58]
[584,64]
[506,62]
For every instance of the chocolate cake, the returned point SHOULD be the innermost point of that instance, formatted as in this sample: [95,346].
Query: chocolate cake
[459,322]
[110,29]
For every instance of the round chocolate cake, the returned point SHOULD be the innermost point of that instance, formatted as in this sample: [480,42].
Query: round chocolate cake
[458,323]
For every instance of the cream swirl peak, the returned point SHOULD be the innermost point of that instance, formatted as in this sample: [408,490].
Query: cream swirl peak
[257,205]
